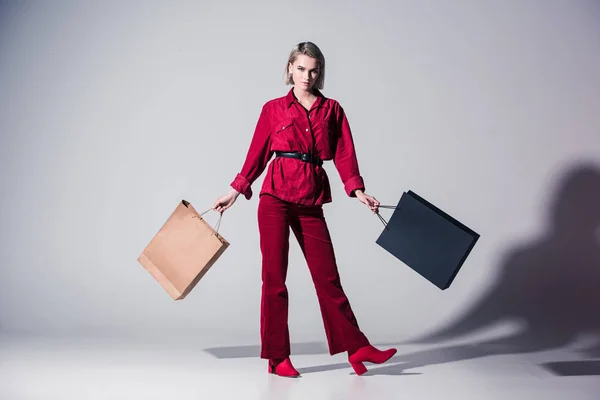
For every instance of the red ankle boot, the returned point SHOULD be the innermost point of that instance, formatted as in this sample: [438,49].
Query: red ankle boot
[283,368]
[368,354]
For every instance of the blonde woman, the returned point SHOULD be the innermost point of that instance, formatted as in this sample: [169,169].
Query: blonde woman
[302,129]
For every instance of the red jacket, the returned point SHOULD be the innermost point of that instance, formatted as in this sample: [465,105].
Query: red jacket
[285,125]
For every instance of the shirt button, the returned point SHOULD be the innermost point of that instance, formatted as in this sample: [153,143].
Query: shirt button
[306,129]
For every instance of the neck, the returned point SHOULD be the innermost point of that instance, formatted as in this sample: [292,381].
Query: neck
[302,94]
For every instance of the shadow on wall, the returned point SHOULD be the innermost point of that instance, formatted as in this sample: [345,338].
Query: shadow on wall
[10,12]
[552,284]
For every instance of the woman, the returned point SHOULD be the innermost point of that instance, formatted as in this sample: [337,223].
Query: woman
[302,129]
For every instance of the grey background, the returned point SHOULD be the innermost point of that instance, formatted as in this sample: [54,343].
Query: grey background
[112,112]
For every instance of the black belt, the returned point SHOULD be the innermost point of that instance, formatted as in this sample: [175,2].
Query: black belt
[306,157]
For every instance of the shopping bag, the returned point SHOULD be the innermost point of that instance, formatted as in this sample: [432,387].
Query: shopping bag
[183,251]
[427,239]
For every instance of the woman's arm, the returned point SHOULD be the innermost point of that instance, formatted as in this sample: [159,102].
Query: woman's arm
[346,162]
[344,155]
[257,158]
[256,161]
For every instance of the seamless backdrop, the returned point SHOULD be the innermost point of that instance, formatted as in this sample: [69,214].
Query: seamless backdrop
[112,112]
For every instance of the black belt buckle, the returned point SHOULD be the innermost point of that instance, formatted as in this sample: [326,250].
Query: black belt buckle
[306,157]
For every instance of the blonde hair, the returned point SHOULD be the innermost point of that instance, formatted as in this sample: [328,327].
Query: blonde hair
[309,49]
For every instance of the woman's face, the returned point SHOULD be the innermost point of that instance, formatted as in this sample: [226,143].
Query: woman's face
[305,71]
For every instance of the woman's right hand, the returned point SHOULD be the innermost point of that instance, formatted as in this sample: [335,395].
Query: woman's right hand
[226,201]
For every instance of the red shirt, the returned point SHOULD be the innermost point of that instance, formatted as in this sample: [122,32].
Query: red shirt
[285,125]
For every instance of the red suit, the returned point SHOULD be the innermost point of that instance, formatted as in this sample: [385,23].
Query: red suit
[292,196]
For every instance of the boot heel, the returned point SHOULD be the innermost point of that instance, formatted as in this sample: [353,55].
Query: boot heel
[359,368]
[283,368]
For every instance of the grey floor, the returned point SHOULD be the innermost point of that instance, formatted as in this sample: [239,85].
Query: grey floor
[67,368]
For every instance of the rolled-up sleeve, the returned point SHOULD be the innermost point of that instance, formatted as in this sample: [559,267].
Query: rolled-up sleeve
[258,156]
[344,156]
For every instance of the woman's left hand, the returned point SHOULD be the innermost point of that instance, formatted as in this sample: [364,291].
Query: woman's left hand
[368,200]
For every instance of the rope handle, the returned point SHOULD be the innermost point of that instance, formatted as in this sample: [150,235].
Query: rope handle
[216,228]
[383,221]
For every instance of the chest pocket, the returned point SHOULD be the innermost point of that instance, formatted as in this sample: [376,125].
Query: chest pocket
[322,131]
[285,136]
[283,125]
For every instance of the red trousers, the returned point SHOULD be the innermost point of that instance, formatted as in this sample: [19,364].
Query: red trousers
[275,218]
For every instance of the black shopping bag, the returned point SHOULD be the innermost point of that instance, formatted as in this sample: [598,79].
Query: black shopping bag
[427,239]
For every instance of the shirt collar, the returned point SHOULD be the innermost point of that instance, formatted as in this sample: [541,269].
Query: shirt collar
[291,98]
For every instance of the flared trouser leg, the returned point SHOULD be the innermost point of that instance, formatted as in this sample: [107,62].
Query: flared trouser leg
[310,229]
[273,226]
[341,327]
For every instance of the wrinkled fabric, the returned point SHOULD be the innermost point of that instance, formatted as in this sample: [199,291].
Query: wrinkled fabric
[285,125]
[275,218]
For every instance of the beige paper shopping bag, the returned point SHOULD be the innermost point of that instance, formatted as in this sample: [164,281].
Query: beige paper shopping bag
[182,251]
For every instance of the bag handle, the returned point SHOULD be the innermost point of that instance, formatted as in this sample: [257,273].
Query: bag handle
[216,228]
[383,221]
